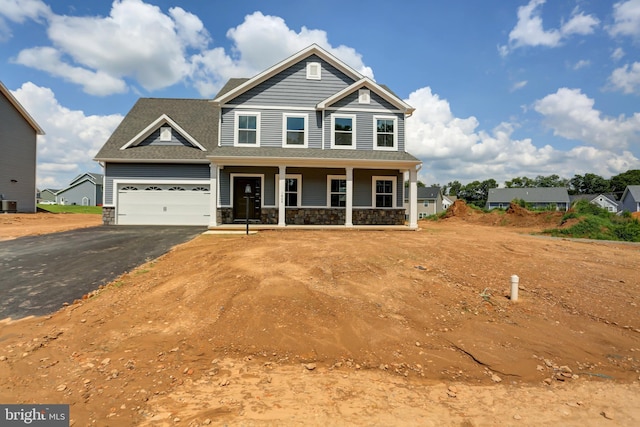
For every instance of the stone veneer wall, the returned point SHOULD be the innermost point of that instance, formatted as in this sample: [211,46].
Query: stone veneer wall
[323,216]
[108,215]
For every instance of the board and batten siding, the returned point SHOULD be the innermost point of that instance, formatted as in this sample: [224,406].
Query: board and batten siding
[290,87]
[150,171]
[17,158]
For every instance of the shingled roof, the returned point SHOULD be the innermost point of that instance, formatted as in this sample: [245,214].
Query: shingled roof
[198,117]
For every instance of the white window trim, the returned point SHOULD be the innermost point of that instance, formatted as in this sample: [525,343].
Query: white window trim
[285,116]
[393,194]
[353,131]
[236,129]
[395,133]
[299,192]
[329,192]
[311,67]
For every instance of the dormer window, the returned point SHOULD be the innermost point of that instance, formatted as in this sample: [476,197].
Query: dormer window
[313,71]
[364,96]
[165,133]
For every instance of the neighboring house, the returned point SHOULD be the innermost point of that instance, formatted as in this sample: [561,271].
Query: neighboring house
[308,141]
[605,201]
[18,134]
[630,199]
[429,201]
[83,190]
[538,197]
[47,195]
[447,201]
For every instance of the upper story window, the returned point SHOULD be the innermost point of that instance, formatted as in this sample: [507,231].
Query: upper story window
[385,133]
[165,133]
[384,191]
[343,133]
[248,129]
[295,130]
[314,71]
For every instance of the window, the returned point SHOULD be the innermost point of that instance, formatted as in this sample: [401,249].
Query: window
[129,188]
[201,189]
[176,188]
[165,133]
[292,189]
[344,129]
[295,134]
[425,204]
[385,131]
[337,191]
[384,191]
[248,131]
[153,188]
[314,71]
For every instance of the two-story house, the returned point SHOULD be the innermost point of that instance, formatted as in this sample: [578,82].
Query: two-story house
[18,135]
[309,141]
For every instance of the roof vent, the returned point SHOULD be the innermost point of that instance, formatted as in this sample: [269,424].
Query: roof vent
[314,71]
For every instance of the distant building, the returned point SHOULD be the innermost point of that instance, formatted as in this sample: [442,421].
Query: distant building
[537,197]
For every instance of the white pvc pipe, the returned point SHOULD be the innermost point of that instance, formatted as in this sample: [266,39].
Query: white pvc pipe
[514,287]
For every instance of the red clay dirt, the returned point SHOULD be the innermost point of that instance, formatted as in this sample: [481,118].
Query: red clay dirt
[348,328]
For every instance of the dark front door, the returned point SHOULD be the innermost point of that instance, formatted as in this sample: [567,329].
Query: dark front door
[240,199]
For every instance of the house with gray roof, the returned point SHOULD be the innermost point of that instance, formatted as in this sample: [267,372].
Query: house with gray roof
[308,141]
[538,197]
[430,201]
[83,190]
[605,201]
[18,135]
[630,199]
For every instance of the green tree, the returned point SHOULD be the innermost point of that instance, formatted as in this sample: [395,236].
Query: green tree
[476,192]
[520,182]
[619,182]
[452,188]
[550,181]
[590,183]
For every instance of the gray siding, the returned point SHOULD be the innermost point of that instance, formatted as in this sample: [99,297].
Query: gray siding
[151,171]
[75,194]
[268,185]
[629,204]
[362,186]
[17,158]
[291,87]
[351,101]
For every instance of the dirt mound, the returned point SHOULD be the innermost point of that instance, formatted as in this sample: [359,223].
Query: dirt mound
[458,209]
[517,210]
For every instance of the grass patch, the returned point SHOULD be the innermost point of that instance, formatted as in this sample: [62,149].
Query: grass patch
[597,223]
[71,209]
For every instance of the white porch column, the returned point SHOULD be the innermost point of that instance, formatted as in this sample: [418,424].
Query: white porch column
[348,220]
[282,171]
[213,196]
[413,199]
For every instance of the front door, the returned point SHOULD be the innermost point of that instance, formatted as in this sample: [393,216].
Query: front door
[240,186]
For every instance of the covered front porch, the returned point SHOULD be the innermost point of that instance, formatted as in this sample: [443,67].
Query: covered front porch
[311,192]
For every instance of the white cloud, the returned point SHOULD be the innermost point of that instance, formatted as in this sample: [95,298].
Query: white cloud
[617,54]
[626,16]
[529,30]
[518,85]
[581,64]
[258,43]
[453,148]
[626,79]
[570,114]
[71,140]
[21,10]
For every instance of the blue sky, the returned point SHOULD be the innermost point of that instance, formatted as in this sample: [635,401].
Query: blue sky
[501,88]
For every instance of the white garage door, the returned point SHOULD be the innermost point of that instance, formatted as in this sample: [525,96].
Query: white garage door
[163,204]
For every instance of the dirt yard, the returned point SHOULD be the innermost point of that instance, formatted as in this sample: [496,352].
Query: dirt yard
[345,328]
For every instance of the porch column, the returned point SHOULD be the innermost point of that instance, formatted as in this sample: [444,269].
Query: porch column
[213,196]
[413,198]
[281,195]
[348,220]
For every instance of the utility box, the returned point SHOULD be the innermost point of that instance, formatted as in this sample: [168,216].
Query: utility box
[8,206]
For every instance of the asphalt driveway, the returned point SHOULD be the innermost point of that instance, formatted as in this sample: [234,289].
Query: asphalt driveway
[38,274]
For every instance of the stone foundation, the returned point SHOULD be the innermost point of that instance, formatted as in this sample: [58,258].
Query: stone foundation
[323,216]
[108,215]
